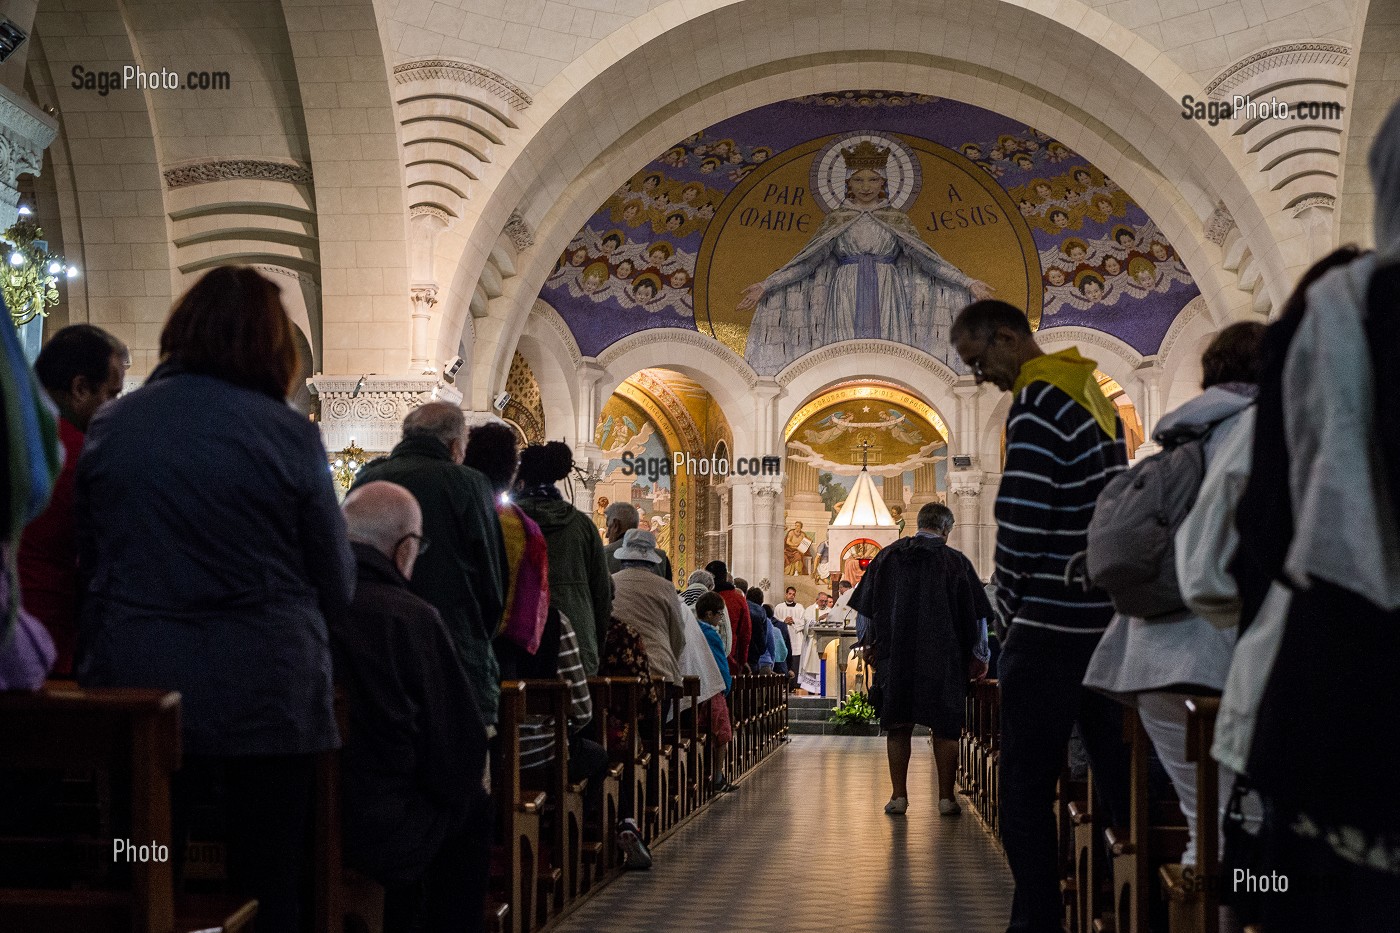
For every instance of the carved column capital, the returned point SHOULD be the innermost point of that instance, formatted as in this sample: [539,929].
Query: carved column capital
[424,298]
[25,132]
[369,408]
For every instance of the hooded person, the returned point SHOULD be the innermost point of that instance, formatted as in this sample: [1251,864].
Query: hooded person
[1151,664]
[1311,686]
[579,585]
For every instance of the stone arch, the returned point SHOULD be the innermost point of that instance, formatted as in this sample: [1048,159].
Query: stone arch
[727,378]
[1114,357]
[810,376]
[1174,183]
[548,347]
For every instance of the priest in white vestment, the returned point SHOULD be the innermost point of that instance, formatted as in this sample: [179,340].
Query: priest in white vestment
[809,673]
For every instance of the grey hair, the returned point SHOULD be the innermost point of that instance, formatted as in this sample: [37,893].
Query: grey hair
[440,420]
[624,512]
[703,577]
[936,517]
[380,514]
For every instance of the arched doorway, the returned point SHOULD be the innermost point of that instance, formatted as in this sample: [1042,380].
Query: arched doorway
[655,433]
[876,426]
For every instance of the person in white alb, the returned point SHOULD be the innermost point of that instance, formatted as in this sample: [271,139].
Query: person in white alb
[791,613]
[809,677]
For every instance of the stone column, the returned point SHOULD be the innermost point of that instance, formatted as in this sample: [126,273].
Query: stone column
[925,489]
[964,487]
[720,537]
[25,132]
[1149,403]
[424,300]
[1314,216]
[985,557]
[743,548]
[425,224]
[892,489]
[767,569]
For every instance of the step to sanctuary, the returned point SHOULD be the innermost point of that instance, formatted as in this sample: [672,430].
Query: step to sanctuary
[812,716]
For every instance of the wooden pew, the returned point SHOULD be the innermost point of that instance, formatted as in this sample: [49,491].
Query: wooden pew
[560,863]
[601,857]
[1070,798]
[1093,884]
[651,733]
[1156,835]
[132,731]
[625,699]
[1193,895]
[519,811]
[686,767]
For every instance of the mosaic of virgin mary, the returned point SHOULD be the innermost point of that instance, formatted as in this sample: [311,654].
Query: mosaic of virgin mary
[866,273]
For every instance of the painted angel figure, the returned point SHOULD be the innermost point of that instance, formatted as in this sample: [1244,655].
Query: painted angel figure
[866,273]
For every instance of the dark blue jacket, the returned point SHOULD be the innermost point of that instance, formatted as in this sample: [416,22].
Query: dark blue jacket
[213,549]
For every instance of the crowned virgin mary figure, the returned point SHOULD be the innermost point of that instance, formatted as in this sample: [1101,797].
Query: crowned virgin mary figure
[866,273]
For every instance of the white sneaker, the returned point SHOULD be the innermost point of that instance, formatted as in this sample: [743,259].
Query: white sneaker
[897,806]
[949,808]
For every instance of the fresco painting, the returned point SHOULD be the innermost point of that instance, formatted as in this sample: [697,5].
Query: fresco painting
[865,214]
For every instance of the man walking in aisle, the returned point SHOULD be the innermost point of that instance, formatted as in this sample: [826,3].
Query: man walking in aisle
[925,606]
[1064,443]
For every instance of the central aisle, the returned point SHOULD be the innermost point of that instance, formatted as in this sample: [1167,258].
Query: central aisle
[804,847]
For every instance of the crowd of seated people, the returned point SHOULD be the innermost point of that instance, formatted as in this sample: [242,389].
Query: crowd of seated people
[187,536]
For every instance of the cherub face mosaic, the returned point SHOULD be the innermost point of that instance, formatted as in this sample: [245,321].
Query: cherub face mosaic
[865,214]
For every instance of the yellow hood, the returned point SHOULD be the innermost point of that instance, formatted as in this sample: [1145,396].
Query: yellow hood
[1074,375]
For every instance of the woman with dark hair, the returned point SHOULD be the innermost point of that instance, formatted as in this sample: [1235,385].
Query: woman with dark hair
[212,551]
[579,584]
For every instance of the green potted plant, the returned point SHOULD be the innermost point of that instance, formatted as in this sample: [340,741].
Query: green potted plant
[855,716]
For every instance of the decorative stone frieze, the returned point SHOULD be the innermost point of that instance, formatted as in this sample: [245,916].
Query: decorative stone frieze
[519,232]
[370,409]
[199,173]
[1219,224]
[443,69]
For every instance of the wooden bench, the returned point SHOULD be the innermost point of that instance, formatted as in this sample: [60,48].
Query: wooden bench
[1193,894]
[601,857]
[560,862]
[1155,836]
[519,813]
[113,731]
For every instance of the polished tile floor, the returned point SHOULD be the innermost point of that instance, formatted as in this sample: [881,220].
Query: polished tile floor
[804,847]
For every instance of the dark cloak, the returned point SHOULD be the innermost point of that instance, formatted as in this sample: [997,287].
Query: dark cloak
[923,600]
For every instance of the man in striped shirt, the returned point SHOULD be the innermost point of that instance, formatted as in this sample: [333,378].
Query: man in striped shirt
[1064,442]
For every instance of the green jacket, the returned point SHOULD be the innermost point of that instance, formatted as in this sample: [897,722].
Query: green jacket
[579,583]
[463,572]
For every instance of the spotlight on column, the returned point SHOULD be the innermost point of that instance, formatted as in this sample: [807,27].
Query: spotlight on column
[502,401]
[962,463]
[451,367]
